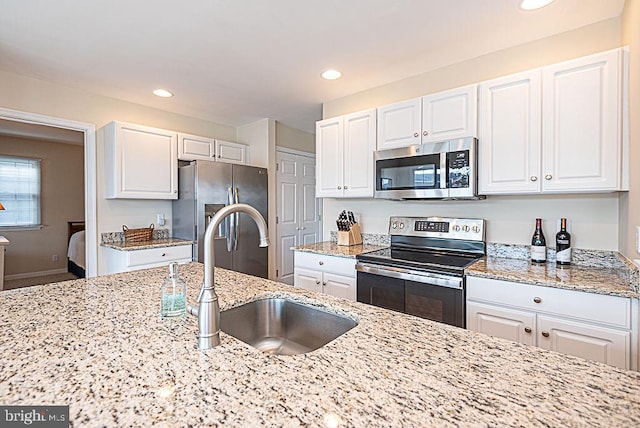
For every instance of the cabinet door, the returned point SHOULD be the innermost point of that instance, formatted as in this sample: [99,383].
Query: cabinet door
[140,162]
[226,151]
[450,114]
[329,158]
[308,279]
[339,286]
[399,124]
[359,145]
[192,147]
[581,124]
[585,340]
[509,145]
[511,324]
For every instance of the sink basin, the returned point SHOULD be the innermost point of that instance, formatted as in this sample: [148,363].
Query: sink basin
[283,327]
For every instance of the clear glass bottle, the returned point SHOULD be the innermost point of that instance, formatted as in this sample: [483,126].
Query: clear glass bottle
[174,295]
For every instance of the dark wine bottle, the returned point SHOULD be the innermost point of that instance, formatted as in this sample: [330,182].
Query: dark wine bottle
[538,244]
[563,244]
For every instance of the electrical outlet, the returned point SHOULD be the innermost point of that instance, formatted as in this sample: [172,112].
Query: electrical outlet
[54,258]
[160,219]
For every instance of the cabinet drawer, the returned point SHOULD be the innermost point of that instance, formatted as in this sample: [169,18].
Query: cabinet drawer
[159,255]
[337,265]
[600,308]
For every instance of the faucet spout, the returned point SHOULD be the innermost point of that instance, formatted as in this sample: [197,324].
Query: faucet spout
[208,310]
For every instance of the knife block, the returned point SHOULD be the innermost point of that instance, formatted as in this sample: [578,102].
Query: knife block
[351,237]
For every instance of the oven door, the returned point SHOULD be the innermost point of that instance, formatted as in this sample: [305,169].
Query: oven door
[412,172]
[427,295]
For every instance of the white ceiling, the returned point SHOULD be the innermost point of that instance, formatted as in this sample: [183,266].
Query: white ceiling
[237,61]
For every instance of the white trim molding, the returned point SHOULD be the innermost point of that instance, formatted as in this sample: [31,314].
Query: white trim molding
[90,175]
[35,274]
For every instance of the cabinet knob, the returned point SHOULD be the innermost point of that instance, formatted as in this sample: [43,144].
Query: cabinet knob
[324,283]
[425,133]
[537,300]
[320,262]
[297,228]
[302,228]
[164,254]
[527,329]
[339,187]
[545,333]
[345,187]
[548,177]
[534,178]
[317,282]
[175,191]
[416,134]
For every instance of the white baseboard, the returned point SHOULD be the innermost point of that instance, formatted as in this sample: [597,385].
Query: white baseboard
[34,274]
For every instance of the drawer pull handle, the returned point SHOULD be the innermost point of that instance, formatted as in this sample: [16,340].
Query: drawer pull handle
[320,262]
[545,333]
[537,300]
[527,329]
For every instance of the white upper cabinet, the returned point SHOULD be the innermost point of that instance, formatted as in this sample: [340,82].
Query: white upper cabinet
[193,147]
[436,117]
[450,114]
[399,124]
[509,135]
[344,155]
[581,126]
[229,152]
[557,129]
[140,162]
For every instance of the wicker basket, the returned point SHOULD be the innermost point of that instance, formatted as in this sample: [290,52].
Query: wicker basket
[137,235]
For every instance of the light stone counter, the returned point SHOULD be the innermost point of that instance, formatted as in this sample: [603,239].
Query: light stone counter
[330,248]
[600,280]
[145,245]
[100,346]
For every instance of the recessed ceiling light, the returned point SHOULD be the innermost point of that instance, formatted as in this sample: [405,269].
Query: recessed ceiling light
[534,4]
[163,93]
[331,74]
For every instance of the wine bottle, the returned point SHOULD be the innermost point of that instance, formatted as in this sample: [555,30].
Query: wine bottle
[538,244]
[563,244]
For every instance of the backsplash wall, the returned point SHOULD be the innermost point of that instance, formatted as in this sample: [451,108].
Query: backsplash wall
[593,219]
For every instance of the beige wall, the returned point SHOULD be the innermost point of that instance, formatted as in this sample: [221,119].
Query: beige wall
[630,203]
[62,178]
[594,218]
[295,139]
[38,96]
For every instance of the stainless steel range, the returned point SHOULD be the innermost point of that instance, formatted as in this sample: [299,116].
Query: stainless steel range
[422,273]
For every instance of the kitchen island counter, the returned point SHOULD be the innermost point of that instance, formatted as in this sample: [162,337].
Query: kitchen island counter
[100,346]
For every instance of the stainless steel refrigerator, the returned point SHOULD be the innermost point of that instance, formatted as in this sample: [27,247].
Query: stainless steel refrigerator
[203,188]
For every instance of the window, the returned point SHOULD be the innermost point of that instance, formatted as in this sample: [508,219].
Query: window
[19,192]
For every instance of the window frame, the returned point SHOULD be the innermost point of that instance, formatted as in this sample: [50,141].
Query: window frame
[38,217]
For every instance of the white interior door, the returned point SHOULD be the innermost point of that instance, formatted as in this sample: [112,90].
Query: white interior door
[297,211]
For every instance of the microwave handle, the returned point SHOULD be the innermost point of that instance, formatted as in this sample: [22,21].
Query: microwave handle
[444,180]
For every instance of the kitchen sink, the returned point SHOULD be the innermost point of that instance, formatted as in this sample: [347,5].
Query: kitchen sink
[283,327]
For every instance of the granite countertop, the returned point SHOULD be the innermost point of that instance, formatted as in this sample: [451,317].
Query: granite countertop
[145,245]
[330,248]
[601,280]
[100,346]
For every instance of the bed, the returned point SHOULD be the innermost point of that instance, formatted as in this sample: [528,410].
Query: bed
[76,251]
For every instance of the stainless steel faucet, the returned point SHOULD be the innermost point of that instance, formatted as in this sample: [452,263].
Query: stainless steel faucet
[208,310]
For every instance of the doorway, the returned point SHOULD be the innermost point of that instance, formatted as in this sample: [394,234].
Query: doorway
[298,210]
[90,178]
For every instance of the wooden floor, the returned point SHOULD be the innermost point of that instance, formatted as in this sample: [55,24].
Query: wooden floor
[37,280]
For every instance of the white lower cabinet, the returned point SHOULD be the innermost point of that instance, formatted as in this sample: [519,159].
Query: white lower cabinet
[331,275]
[592,326]
[127,261]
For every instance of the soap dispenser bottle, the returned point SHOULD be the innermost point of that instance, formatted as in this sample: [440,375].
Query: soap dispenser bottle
[174,295]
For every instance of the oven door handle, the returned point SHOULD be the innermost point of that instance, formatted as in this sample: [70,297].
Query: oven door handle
[423,277]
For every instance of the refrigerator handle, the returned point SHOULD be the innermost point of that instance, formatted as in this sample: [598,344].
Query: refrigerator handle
[230,226]
[236,219]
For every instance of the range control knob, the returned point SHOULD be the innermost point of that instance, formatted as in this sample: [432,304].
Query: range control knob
[401,225]
[456,228]
[465,228]
[475,229]
[394,225]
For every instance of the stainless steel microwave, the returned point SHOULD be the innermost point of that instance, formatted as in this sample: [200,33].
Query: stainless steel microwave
[444,170]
